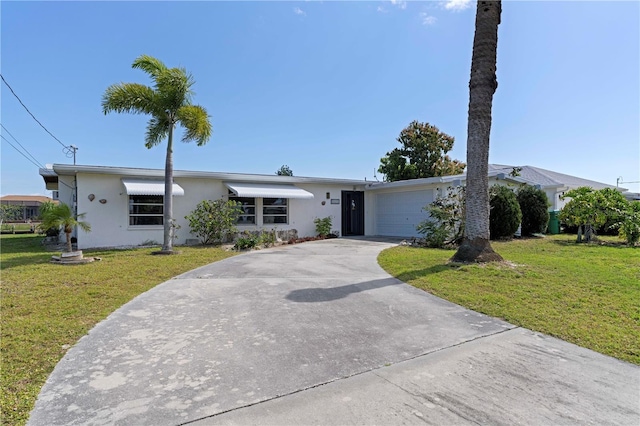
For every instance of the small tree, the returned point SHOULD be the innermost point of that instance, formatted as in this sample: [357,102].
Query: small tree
[445,226]
[61,216]
[284,171]
[10,212]
[534,206]
[213,221]
[505,215]
[590,209]
[45,208]
[422,155]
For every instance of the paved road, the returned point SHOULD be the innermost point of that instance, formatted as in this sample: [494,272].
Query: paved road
[318,333]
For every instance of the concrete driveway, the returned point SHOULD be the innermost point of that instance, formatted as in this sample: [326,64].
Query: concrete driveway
[318,333]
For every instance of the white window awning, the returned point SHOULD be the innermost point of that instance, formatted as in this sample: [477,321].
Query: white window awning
[268,191]
[149,187]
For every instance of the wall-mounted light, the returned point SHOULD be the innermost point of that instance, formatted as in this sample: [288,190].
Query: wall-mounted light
[103,201]
[91,197]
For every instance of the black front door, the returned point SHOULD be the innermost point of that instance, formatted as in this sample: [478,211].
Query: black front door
[352,213]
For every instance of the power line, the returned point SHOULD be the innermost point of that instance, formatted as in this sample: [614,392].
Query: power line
[34,117]
[37,165]
[21,153]
[25,149]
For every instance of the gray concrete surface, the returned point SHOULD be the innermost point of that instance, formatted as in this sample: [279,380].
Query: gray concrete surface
[318,333]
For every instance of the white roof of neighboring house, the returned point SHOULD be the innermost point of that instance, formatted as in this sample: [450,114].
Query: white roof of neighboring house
[548,178]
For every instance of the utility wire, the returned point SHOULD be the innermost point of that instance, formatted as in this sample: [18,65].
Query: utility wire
[21,153]
[22,146]
[34,117]
[40,166]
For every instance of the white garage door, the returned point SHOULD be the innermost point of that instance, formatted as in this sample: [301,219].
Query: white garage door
[398,213]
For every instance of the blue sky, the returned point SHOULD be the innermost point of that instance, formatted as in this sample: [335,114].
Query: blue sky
[324,87]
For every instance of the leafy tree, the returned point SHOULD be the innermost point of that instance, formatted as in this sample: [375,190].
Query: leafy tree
[589,210]
[168,103]
[10,212]
[475,245]
[630,226]
[61,216]
[505,215]
[445,226]
[213,221]
[534,205]
[422,155]
[284,171]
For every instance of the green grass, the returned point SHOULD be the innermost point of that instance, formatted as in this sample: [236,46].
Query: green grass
[46,308]
[585,294]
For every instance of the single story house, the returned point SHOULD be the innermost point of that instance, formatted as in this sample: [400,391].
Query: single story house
[29,205]
[553,183]
[124,205]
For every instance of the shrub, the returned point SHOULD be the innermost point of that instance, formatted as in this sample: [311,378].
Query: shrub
[630,226]
[505,215]
[446,223]
[213,221]
[268,238]
[323,226]
[246,240]
[534,206]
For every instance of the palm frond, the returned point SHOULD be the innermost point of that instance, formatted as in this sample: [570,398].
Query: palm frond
[174,87]
[62,216]
[157,129]
[195,120]
[152,66]
[133,98]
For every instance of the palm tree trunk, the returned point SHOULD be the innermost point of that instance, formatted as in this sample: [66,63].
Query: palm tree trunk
[67,233]
[167,245]
[475,245]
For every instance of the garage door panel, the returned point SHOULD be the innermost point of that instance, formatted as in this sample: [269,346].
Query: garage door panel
[397,214]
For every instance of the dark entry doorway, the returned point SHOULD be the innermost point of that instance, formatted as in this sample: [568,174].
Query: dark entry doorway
[352,213]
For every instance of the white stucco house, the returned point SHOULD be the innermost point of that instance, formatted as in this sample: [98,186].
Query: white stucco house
[124,205]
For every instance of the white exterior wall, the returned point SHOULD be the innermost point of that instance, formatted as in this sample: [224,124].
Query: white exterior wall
[110,221]
[303,212]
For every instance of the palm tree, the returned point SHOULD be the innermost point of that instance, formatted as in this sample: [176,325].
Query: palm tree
[168,103]
[61,216]
[475,245]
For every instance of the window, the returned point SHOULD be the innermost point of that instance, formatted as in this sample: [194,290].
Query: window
[145,210]
[275,210]
[248,210]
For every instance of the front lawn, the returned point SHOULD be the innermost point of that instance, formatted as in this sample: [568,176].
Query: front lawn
[587,294]
[46,308]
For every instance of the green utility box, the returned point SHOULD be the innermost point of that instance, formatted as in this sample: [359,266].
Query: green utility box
[554,223]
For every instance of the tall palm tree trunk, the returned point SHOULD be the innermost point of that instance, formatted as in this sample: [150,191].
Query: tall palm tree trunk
[475,245]
[167,245]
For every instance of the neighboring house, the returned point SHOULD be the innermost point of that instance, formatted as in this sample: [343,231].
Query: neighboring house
[554,184]
[30,205]
[124,205]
